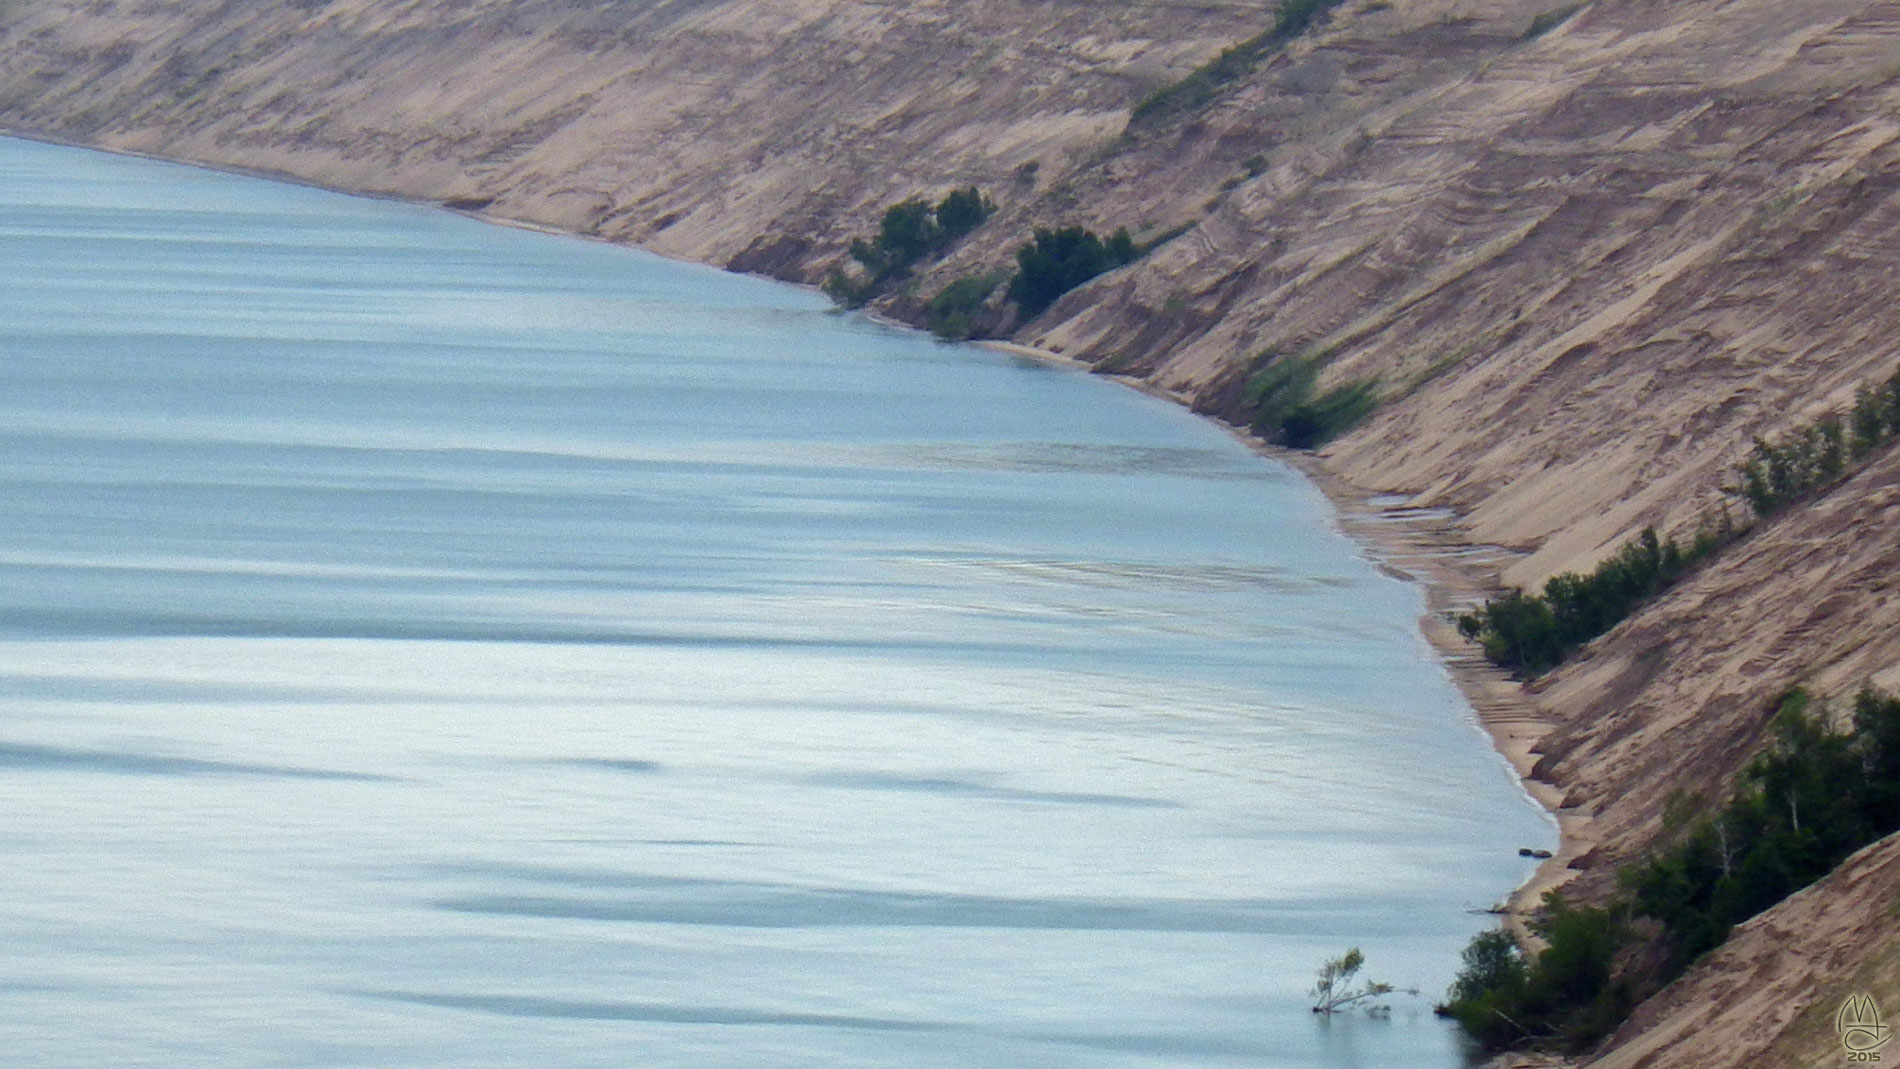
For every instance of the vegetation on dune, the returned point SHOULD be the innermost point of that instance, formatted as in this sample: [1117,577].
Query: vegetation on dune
[1533,633]
[1822,453]
[1202,85]
[1550,20]
[1056,261]
[908,232]
[1287,411]
[1816,795]
[953,314]
[1565,995]
[1052,263]
[1813,798]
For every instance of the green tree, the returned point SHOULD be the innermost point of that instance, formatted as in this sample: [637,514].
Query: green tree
[1869,421]
[1810,799]
[1877,738]
[1492,962]
[1532,633]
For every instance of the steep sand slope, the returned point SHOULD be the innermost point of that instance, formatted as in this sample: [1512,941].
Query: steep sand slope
[1585,267]
[1677,698]
[709,129]
[1769,997]
[1656,230]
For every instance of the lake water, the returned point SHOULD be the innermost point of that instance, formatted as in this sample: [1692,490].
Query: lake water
[425,643]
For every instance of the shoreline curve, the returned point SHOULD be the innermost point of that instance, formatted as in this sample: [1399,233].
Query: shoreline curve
[1421,546]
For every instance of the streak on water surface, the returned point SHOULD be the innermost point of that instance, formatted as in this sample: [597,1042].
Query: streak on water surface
[429,644]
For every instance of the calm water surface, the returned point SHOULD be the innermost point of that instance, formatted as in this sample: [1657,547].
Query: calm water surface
[423,643]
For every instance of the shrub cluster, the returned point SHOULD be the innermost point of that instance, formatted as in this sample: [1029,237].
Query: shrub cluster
[1051,264]
[1567,993]
[953,313]
[1532,633]
[1821,453]
[1286,411]
[1814,797]
[1057,261]
[1200,86]
[909,231]
[1800,808]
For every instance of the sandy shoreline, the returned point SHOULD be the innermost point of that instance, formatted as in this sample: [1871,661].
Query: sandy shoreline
[1419,545]
[1427,547]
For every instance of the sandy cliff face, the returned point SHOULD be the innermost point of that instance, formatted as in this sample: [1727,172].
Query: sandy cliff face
[1584,267]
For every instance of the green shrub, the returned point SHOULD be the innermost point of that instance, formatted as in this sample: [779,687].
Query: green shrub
[1813,797]
[1295,16]
[1286,412]
[1200,86]
[1203,84]
[1568,993]
[1057,261]
[960,212]
[908,232]
[1533,633]
[1281,383]
[952,313]
[1492,962]
[1311,424]
[845,290]
[1820,454]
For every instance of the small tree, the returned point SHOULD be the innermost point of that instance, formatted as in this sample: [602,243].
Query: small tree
[1492,962]
[1334,992]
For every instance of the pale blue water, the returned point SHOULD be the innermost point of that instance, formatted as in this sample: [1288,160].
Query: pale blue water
[423,643]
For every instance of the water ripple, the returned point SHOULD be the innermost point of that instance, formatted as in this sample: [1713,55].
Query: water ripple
[871,781]
[660,1013]
[75,623]
[608,764]
[649,899]
[14,755]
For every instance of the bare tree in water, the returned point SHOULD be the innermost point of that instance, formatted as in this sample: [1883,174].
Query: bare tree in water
[1334,992]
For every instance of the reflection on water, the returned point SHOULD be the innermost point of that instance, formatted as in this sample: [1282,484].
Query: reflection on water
[429,644]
